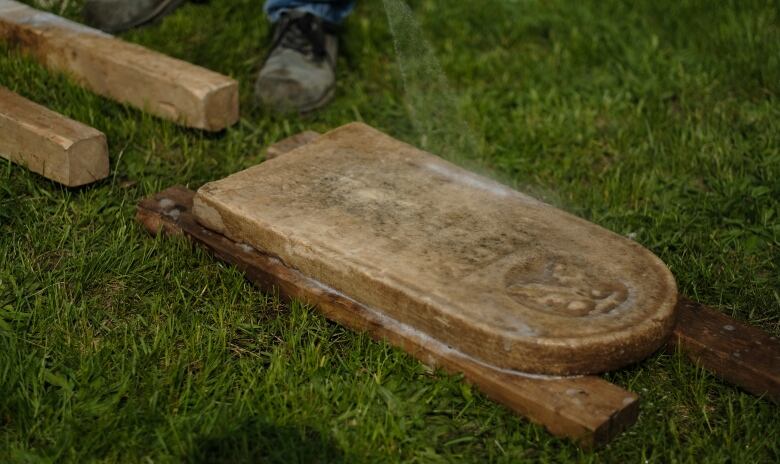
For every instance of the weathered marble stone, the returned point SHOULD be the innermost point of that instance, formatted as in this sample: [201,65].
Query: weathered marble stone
[493,273]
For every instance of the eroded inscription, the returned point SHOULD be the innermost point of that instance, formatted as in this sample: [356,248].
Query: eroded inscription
[564,287]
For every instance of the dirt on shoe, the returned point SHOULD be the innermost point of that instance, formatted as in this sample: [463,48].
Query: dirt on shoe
[300,71]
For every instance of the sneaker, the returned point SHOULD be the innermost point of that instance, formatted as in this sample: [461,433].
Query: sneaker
[300,71]
[120,15]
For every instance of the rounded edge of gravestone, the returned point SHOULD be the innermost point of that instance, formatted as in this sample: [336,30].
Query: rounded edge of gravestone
[594,354]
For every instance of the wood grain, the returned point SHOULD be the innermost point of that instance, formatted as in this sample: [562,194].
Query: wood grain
[153,82]
[50,144]
[588,409]
[738,353]
[290,143]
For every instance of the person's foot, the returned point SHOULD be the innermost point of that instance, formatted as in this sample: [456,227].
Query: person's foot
[299,73]
[120,15]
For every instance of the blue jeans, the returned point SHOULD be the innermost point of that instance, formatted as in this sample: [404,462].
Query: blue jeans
[333,11]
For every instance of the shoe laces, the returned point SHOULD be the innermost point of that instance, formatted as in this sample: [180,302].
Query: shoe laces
[304,33]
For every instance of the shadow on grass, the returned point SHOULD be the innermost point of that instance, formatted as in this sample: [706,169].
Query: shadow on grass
[255,440]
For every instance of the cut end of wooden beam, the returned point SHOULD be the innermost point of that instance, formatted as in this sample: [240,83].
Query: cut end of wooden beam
[47,143]
[221,107]
[166,87]
[88,161]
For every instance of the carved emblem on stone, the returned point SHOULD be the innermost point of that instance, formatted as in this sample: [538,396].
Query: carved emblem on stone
[561,286]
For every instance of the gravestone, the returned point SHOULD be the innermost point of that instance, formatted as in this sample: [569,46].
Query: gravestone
[455,257]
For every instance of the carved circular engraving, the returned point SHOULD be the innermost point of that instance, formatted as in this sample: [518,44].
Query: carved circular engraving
[555,286]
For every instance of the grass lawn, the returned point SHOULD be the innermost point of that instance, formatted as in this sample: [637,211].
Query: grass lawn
[659,119]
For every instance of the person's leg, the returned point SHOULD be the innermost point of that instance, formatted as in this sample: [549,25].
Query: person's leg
[299,72]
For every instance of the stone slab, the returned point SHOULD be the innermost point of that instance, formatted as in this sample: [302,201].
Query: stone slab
[47,143]
[129,73]
[492,273]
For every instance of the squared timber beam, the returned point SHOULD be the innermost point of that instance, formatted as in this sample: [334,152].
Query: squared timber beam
[50,144]
[736,352]
[128,73]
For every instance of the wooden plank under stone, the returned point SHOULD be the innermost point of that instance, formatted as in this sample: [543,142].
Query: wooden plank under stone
[586,409]
[50,144]
[290,143]
[129,73]
[738,353]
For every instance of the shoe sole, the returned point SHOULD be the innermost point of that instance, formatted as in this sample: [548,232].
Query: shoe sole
[308,108]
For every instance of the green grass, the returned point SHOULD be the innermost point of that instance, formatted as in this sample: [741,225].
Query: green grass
[659,119]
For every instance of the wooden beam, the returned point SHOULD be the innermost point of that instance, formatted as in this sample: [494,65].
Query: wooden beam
[587,409]
[290,143]
[153,82]
[738,353]
[50,144]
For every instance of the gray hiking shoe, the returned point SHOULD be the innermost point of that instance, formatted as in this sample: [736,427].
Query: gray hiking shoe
[120,15]
[300,71]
